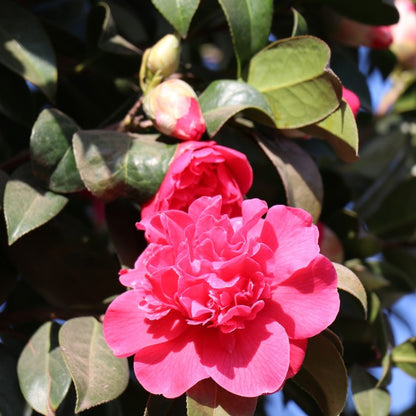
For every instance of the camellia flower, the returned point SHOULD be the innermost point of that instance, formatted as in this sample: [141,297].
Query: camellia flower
[231,299]
[203,169]
[404,34]
[174,109]
[352,100]
[164,56]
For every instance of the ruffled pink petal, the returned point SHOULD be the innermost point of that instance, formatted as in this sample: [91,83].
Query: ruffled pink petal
[297,355]
[296,237]
[126,329]
[171,368]
[248,362]
[307,302]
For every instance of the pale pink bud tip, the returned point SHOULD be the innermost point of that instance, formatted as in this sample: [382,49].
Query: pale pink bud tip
[174,109]
[352,100]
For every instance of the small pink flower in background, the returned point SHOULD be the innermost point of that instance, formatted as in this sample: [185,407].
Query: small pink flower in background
[232,299]
[174,109]
[352,33]
[203,169]
[404,34]
[352,100]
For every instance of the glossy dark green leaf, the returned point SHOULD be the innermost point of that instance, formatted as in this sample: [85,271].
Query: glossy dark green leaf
[340,129]
[98,375]
[368,276]
[293,76]
[323,375]
[404,356]
[178,13]
[12,402]
[369,400]
[51,152]
[349,282]
[43,375]
[15,100]
[69,246]
[206,398]
[404,258]
[223,99]
[371,12]
[396,216]
[250,23]
[157,405]
[26,205]
[299,173]
[300,25]
[113,164]
[25,47]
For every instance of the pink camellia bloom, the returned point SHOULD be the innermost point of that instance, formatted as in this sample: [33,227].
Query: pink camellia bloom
[352,100]
[404,34]
[174,109]
[203,169]
[231,299]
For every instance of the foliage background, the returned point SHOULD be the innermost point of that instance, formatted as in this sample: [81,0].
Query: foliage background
[69,78]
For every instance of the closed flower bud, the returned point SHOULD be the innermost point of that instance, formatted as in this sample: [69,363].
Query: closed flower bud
[174,109]
[164,56]
[352,100]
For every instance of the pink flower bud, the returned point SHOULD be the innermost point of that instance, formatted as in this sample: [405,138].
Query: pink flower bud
[352,100]
[174,109]
[164,56]
[404,34]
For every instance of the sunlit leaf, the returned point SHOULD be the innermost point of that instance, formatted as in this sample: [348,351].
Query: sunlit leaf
[299,173]
[113,164]
[404,356]
[369,400]
[249,22]
[51,151]
[178,13]
[340,129]
[323,375]
[207,398]
[225,98]
[43,375]
[26,205]
[349,282]
[25,47]
[293,76]
[98,375]
[300,25]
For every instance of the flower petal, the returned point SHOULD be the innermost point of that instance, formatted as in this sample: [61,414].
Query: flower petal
[297,239]
[307,302]
[297,355]
[154,366]
[126,329]
[248,362]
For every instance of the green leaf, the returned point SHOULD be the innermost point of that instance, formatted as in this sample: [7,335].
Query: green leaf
[371,12]
[299,173]
[15,100]
[25,47]
[349,282]
[396,216]
[207,398]
[225,98]
[113,164]
[26,205]
[369,400]
[51,151]
[293,76]
[323,375]
[43,375]
[178,13]
[368,277]
[404,356]
[300,25]
[98,375]
[340,129]
[250,22]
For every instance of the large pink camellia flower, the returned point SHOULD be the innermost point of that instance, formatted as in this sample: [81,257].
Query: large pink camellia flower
[203,169]
[232,299]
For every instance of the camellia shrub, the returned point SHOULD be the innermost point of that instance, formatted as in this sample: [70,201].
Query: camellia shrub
[204,204]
